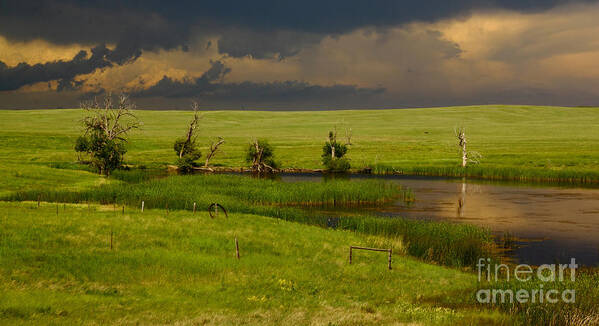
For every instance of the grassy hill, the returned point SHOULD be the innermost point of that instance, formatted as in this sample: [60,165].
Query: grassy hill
[57,267]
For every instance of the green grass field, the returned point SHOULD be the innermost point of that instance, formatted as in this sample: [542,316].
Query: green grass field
[180,267]
[534,142]
[450,244]
[173,266]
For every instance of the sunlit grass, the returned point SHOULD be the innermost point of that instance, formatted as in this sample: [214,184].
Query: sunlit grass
[170,265]
[445,243]
[181,267]
[563,175]
[583,311]
[516,142]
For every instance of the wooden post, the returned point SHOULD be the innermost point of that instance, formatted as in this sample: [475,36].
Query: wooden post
[389,252]
[123,209]
[194,207]
[142,206]
[236,248]
[166,208]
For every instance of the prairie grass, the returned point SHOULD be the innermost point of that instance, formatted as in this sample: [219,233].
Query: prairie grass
[584,311]
[517,142]
[180,268]
[566,175]
[181,191]
[444,243]
[171,266]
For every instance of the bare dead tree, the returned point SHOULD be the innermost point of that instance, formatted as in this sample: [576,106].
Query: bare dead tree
[114,121]
[214,147]
[348,136]
[261,156]
[467,157]
[257,164]
[460,133]
[191,130]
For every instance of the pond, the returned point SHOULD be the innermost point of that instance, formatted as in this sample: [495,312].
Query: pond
[538,224]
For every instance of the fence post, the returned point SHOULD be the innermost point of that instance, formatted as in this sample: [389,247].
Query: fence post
[236,248]
[142,206]
[388,251]
[194,207]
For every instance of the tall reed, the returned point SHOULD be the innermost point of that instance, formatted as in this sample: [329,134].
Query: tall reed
[444,243]
[583,311]
[570,176]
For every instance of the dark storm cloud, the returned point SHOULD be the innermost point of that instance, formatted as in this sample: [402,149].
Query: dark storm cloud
[210,87]
[12,78]
[69,85]
[260,45]
[247,27]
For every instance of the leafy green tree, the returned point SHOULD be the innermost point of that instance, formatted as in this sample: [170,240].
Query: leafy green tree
[106,127]
[333,154]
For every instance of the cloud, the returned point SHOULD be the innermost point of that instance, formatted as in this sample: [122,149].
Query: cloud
[13,78]
[69,85]
[272,27]
[211,87]
[278,54]
[277,44]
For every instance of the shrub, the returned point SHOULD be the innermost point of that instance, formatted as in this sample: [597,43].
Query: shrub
[333,154]
[188,155]
[261,155]
[337,164]
[186,148]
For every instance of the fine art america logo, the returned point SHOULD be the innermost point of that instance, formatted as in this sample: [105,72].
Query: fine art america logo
[533,292]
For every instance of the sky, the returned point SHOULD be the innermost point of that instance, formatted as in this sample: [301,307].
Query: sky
[325,54]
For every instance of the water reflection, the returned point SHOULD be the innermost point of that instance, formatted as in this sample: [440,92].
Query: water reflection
[538,224]
[462,200]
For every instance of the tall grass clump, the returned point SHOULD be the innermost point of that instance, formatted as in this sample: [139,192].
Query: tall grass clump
[179,191]
[440,242]
[583,311]
[570,176]
[136,175]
